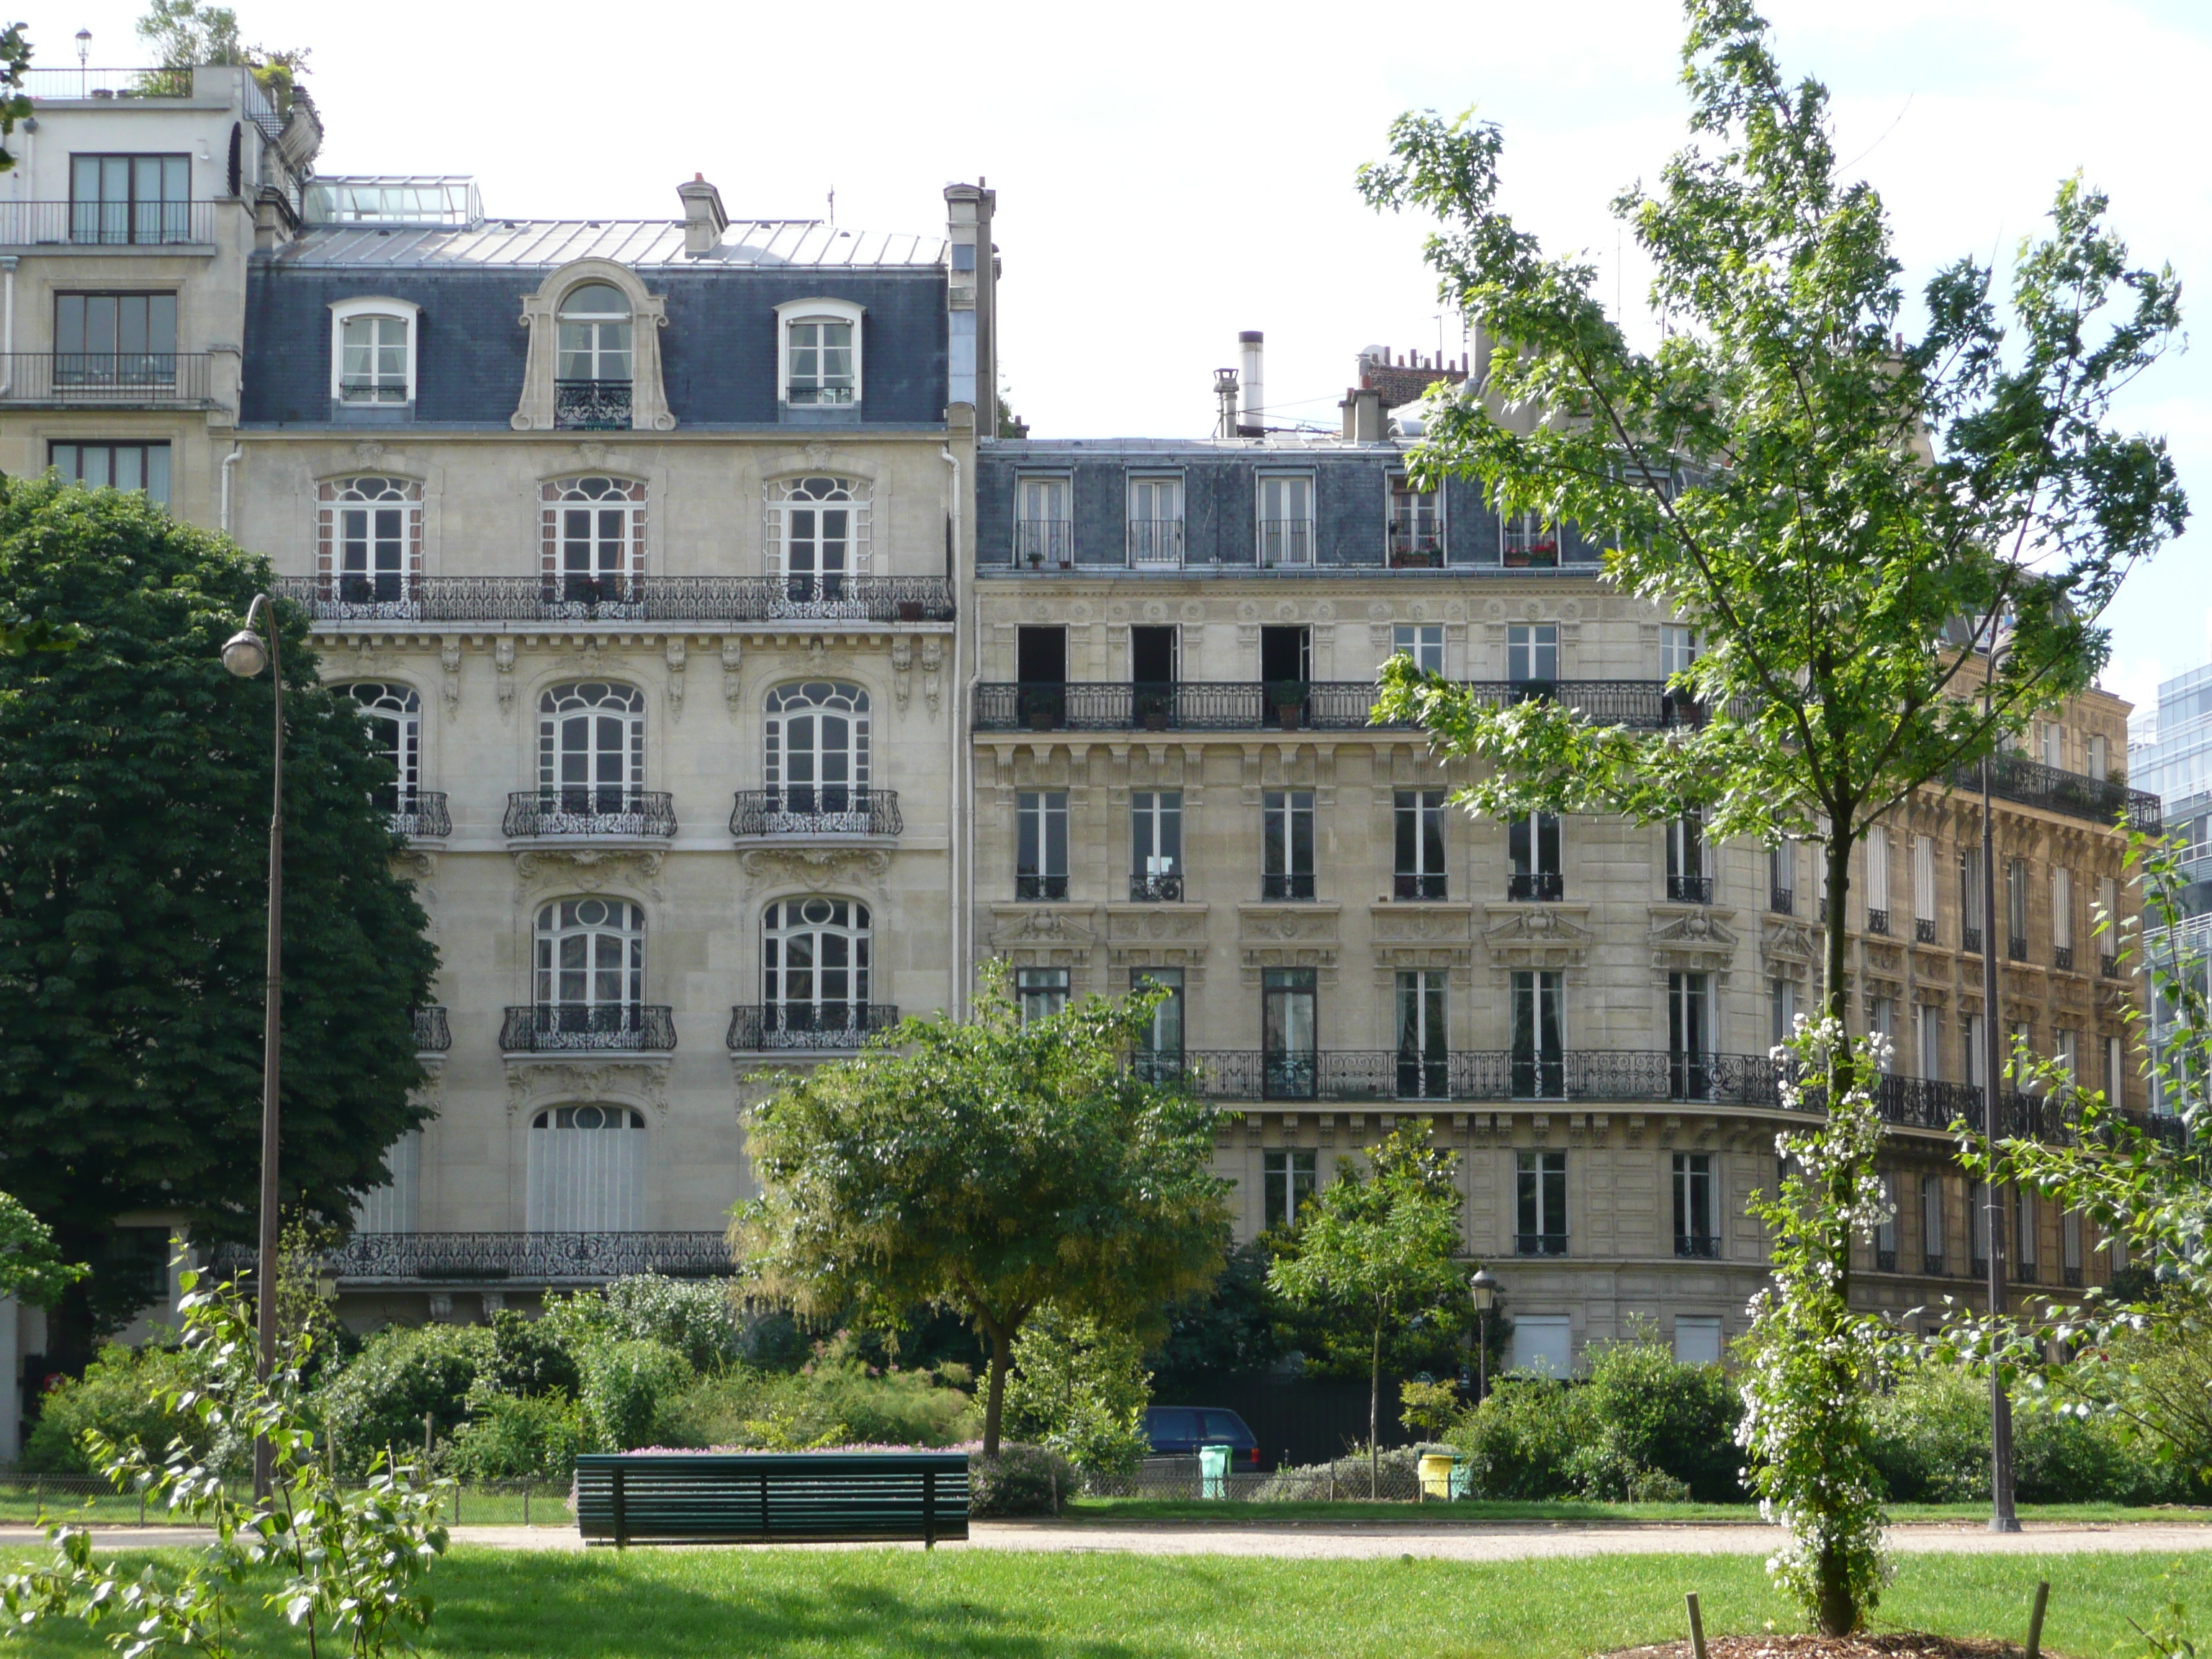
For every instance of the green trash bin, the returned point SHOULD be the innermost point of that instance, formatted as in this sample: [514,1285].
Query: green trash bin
[1213,1471]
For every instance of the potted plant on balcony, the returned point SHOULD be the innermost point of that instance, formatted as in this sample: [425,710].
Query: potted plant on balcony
[1036,561]
[1289,698]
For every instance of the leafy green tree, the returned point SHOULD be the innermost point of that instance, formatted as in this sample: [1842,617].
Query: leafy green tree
[185,34]
[1080,1388]
[990,1165]
[134,805]
[1377,1245]
[30,1268]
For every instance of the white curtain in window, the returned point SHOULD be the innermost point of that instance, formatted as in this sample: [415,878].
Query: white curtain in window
[1877,869]
[586,1170]
[1923,877]
[393,1207]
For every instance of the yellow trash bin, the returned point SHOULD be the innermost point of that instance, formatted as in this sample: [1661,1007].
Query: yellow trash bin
[1436,1475]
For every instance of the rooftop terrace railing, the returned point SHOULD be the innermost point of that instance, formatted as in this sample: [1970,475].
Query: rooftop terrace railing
[2031,783]
[106,224]
[108,378]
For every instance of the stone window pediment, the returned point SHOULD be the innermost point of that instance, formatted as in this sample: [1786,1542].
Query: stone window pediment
[539,407]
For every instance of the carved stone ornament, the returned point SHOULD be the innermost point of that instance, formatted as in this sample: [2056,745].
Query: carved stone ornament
[933,678]
[638,865]
[902,669]
[1423,924]
[1264,923]
[536,1080]
[1532,936]
[673,653]
[449,659]
[816,864]
[1012,928]
[369,454]
[503,665]
[733,657]
[1788,941]
[1689,941]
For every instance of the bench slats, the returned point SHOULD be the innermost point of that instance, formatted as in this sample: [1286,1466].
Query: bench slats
[771,1497]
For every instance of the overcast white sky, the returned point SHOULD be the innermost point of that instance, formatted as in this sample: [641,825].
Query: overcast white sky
[1168,174]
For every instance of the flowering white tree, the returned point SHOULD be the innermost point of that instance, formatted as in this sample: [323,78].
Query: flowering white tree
[1813,1365]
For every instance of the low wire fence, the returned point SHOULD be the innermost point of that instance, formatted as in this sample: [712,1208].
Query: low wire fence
[1394,1479]
[26,1497]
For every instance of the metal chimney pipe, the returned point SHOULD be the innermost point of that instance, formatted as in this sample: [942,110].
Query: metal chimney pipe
[1250,347]
[1225,395]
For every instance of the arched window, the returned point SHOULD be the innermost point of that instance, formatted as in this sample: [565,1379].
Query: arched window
[369,541]
[818,536]
[394,714]
[593,541]
[590,975]
[586,1170]
[591,747]
[817,749]
[814,969]
[594,335]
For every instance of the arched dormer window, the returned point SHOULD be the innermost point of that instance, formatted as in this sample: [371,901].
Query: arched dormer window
[818,356]
[592,381]
[373,355]
[594,359]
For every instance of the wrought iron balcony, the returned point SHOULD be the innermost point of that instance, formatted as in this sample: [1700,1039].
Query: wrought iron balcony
[2031,783]
[589,811]
[1540,1244]
[1286,541]
[421,815]
[1039,542]
[106,224]
[818,809]
[111,380]
[592,406]
[765,1026]
[432,1035]
[1536,886]
[587,1028]
[1161,887]
[528,1258]
[2108,965]
[1783,901]
[1877,922]
[1885,1262]
[1970,940]
[1700,1246]
[2016,947]
[1690,890]
[1422,538]
[1254,705]
[1041,888]
[2062,958]
[1932,1266]
[587,599]
[1923,930]
[1155,542]
[1407,886]
[1294,887]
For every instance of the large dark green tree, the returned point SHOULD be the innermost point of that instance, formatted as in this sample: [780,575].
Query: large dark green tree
[134,812]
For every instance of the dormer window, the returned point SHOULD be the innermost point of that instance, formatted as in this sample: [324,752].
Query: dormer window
[820,357]
[591,378]
[373,355]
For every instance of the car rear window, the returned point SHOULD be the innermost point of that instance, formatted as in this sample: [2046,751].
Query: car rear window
[1227,1427]
[1172,1423]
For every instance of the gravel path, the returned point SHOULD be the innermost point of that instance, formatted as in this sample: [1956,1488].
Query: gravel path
[1356,1540]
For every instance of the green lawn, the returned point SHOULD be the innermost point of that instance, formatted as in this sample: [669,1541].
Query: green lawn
[548,1505]
[769,1604]
[1147,1509]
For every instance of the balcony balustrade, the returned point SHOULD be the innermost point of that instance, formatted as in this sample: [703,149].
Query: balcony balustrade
[1294,888]
[1932,1266]
[1877,922]
[1783,901]
[2016,947]
[586,599]
[1923,930]
[106,224]
[811,809]
[2108,966]
[1155,543]
[2062,958]
[1405,886]
[1970,940]
[587,1028]
[586,811]
[432,1034]
[1689,890]
[528,1258]
[1540,1244]
[758,1027]
[1416,542]
[2031,783]
[1885,1262]
[1039,542]
[1702,1247]
[420,815]
[592,406]
[1160,887]
[109,379]
[1536,886]
[1254,705]
[1041,888]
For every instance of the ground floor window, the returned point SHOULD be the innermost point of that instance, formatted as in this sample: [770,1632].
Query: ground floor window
[586,1170]
[115,466]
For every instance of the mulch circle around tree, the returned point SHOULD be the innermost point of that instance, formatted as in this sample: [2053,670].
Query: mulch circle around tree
[1898,1645]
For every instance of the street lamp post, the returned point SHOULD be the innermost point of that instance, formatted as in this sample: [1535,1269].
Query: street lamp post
[245,654]
[2002,1516]
[1483,1289]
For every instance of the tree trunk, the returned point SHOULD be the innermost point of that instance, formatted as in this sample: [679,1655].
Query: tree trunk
[1839,1614]
[1835,1003]
[995,1396]
[1375,1415]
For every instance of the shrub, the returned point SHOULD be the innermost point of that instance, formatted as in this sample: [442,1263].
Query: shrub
[630,1389]
[378,1400]
[1080,1389]
[530,1357]
[1021,1480]
[520,1436]
[115,1396]
[1520,1441]
[830,1403]
[1662,1415]
[694,1317]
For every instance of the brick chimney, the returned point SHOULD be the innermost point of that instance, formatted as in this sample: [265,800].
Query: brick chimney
[704,221]
[1408,379]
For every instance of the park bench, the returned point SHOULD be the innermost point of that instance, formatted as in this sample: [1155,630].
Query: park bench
[771,1497]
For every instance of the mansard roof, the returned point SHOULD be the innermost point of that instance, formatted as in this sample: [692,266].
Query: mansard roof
[781,244]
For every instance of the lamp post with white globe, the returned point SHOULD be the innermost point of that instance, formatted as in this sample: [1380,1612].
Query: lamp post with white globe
[244,654]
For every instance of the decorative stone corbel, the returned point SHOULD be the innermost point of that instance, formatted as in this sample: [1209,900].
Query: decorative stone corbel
[733,657]
[502,663]
[902,665]
[933,662]
[673,653]
[449,659]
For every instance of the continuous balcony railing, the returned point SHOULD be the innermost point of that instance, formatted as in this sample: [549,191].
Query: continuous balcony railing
[761,1026]
[432,1035]
[421,815]
[106,224]
[592,406]
[566,1027]
[580,599]
[1160,887]
[818,809]
[584,810]
[111,378]
[2031,783]
[531,1258]
[1254,705]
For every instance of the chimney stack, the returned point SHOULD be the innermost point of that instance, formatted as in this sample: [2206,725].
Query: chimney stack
[704,221]
[1250,347]
[1224,398]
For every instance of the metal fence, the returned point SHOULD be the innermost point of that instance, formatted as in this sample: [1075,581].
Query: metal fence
[104,377]
[2031,783]
[540,1258]
[620,599]
[824,809]
[1307,705]
[106,224]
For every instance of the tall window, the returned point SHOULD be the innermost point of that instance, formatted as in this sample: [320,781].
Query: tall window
[1972,1042]
[1155,522]
[1529,538]
[1782,1000]
[1288,1183]
[372,359]
[369,537]
[2015,895]
[130,198]
[816,760]
[2108,924]
[2115,1072]
[1159,1053]
[2062,917]
[821,362]
[1532,653]
[1931,1224]
[1885,1229]
[814,966]
[2026,1224]
[2099,761]
[1155,844]
[1423,642]
[114,466]
[1877,879]
[590,746]
[1540,1070]
[1286,530]
[1040,852]
[1881,1024]
[1678,649]
[1972,899]
[1040,993]
[2054,744]
[1423,1050]
[818,536]
[1419,869]
[1695,1232]
[1417,523]
[1043,530]
[391,1206]
[1687,882]
[1690,1034]
[1928,1041]
[1539,1180]
[594,335]
[393,715]
[115,339]
[591,964]
[1288,1028]
[1923,889]
[2066,1054]
[585,1171]
[592,543]
[1287,824]
[1531,844]
[1782,878]
[1977,1227]
[2069,1246]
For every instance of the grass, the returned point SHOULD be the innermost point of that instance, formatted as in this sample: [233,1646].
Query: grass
[1570,1511]
[548,1505]
[771,1604]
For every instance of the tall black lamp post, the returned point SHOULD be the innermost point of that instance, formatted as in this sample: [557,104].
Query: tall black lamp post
[2002,1516]
[245,654]
[1483,1289]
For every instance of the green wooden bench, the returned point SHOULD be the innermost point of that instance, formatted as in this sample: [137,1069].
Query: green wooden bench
[771,1497]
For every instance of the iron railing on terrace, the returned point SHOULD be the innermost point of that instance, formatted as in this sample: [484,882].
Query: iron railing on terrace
[533,1258]
[620,599]
[819,808]
[765,1026]
[567,812]
[421,815]
[587,1027]
[432,1034]
[2031,783]
[111,378]
[106,224]
[59,84]
[1315,705]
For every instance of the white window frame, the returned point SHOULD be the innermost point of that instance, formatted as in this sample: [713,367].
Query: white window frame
[596,321]
[1928,1040]
[345,311]
[596,700]
[1159,544]
[1292,543]
[818,310]
[855,497]
[816,918]
[335,497]
[1051,537]
[598,493]
[392,703]
[559,920]
[819,803]
[1425,533]
[1527,645]
[1923,879]
[1877,873]
[2062,906]
[1678,649]
[1423,642]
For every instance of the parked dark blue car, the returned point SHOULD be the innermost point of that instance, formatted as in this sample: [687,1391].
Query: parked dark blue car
[1180,1431]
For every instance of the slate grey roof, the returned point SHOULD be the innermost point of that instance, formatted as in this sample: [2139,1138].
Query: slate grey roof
[546,243]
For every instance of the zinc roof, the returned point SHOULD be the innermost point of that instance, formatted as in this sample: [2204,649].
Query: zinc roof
[636,242]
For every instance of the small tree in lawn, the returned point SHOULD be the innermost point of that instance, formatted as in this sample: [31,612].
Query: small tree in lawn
[31,1270]
[1378,1247]
[991,1166]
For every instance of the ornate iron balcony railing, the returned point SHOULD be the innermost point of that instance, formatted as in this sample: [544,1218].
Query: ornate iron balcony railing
[565,1027]
[421,815]
[432,1035]
[1287,888]
[1877,922]
[1970,940]
[1699,1246]
[1286,541]
[1923,930]
[592,406]
[1783,901]
[1254,705]
[1407,885]
[2062,958]
[1044,541]
[1041,888]
[2031,783]
[1155,542]
[2016,947]
[1885,1262]
[818,809]
[1690,890]
[583,810]
[1540,1244]
[530,1258]
[758,1026]
[584,600]
[2108,965]
[1163,887]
